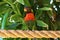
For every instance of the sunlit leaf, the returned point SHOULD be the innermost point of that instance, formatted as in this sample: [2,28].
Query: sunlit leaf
[46,9]
[21,1]
[41,23]
[24,2]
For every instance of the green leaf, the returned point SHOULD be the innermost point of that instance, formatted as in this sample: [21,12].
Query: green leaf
[1,3]
[21,1]
[46,9]
[5,18]
[16,18]
[41,23]
[15,7]
[49,11]
[57,0]
[38,14]
[3,8]
[11,1]
[13,26]
[24,2]
[27,2]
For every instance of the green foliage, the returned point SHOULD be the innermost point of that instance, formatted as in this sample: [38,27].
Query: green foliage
[41,23]
[4,21]
[24,2]
[12,15]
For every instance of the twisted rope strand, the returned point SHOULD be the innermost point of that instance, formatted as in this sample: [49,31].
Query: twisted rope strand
[29,34]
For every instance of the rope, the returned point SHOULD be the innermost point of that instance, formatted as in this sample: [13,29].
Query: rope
[29,34]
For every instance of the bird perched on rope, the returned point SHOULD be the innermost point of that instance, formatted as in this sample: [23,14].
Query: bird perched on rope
[29,17]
